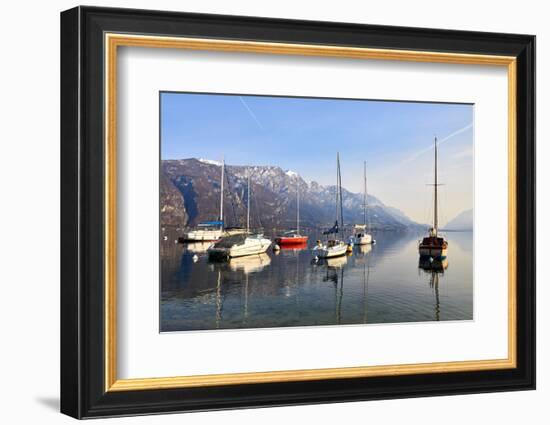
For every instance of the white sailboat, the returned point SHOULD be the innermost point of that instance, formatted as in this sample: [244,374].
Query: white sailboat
[205,232]
[334,247]
[209,230]
[362,237]
[240,245]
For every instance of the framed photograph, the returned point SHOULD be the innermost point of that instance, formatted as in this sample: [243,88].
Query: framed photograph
[261,212]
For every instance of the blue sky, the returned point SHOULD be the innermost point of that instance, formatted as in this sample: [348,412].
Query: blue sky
[304,134]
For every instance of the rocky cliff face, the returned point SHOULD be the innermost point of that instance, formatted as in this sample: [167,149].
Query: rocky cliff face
[272,200]
[172,206]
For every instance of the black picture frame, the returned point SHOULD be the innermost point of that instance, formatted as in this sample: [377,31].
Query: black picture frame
[83,392]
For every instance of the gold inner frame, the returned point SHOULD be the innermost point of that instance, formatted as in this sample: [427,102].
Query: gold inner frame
[113,41]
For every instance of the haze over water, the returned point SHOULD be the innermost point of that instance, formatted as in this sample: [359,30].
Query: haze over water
[376,284]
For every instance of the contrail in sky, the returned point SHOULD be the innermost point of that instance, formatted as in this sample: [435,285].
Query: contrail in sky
[251,113]
[429,148]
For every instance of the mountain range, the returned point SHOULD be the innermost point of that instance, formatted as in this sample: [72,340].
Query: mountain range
[190,194]
[462,222]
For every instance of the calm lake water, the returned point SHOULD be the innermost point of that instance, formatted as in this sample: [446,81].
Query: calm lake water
[382,283]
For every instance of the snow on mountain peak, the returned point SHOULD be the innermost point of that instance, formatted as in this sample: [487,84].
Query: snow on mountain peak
[291,174]
[210,161]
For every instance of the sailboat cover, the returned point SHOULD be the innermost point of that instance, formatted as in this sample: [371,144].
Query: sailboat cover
[210,223]
[333,229]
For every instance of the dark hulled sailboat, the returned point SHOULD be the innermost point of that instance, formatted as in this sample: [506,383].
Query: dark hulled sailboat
[434,246]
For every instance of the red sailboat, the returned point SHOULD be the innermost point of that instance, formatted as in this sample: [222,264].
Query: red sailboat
[293,237]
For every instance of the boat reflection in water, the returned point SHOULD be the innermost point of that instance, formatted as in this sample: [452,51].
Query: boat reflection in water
[335,274]
[243,266]
[197,247]
[434,268]
[334,263]
[432,265]
[250,264]
[382,283]
[363,250]
[335,270]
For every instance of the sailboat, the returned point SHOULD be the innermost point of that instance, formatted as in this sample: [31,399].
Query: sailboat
[361,236]
[242,244]
[334,247]
[293,237]
[434,246]
[209,230]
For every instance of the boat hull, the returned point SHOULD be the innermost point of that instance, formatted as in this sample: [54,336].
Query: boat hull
[433,246]
[331,252]
[293,247]
[202,235]
[298,240]
[251,246]
[363,240]
[436,252]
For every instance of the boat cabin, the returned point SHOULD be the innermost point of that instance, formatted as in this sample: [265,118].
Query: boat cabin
[230,241]
[434,241]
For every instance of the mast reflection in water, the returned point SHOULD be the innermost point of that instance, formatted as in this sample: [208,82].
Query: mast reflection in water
[384,283]
[434,268]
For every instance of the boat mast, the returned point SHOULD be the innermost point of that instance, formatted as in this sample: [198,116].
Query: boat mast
[435,187]
[365,194]
[248,201]
[297,209]
[221,192]
[339,191]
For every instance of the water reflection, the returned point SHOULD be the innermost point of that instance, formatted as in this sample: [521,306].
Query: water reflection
[434,268]
[250,264]
[197,247]
[364,249]
[334,263]
[382,283]
[432,265]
